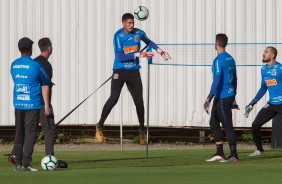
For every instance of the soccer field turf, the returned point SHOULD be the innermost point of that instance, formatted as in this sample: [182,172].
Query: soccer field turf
[163,166]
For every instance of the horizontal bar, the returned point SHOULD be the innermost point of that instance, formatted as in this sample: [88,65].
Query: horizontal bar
[166,64]
[239,43]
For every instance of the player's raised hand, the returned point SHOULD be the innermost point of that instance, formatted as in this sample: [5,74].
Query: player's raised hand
[144,54]
[164,54]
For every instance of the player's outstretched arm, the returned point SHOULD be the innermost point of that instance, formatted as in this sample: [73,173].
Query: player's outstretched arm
[151,44]
[164,54]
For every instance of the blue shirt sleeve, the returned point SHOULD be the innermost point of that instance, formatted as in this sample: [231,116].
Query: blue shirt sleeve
[119,50]
[149,42]
[261,92]
[217,72]
[234,82]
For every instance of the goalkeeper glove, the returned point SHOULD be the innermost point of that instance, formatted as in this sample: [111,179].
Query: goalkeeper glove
[249,108]
[235,105]
[164,54]
[207,104]
[143,54]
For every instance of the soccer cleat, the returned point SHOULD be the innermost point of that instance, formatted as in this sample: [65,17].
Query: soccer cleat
[99,134]
[215,158]
[231,159]
[62,164]
[18,168]
[256,153]
[142,138]
[28,168]
[11,159]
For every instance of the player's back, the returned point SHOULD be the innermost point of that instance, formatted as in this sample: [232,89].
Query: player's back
[227,65]
[27,88]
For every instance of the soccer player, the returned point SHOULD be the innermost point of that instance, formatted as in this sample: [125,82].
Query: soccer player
[126,70]
[47,122]
[29,79]
[223,90]
[271,80]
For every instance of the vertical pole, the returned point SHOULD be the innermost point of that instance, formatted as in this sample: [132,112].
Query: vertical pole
[148,103]
[121,137]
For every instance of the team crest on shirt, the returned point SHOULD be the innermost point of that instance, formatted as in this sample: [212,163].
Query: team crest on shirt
[273,72]
[136,38]
[121,35]
[116,75]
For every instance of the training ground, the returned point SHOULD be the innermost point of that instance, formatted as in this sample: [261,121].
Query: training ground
[167,163]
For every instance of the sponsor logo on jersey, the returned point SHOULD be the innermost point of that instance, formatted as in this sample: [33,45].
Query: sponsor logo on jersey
[21,66]
[271,82]
[24,105]
[130,38]
[18,76]
[116,75]
[22,88]
[23,97]
[129,65]
[273,72]
[136,38]
[130,49]
[121,35]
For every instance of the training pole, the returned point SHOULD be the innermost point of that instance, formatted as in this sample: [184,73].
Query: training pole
[148,102]
[121,137]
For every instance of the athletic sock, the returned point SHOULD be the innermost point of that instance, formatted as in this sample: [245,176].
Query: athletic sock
[233,150]
[219,149]
[259,146]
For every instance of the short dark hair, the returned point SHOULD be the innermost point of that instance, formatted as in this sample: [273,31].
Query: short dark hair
[127,16]
[273,50]
[25,50]
[44,44]
[25,45]
[221,39]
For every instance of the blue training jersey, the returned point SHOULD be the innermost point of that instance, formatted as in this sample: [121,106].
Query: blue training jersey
[28,77]
[272,81]
[224,76]
[125,45]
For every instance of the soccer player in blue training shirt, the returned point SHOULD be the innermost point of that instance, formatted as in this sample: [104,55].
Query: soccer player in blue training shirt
[30,82]
[126,70]
[271,80]
[223,90]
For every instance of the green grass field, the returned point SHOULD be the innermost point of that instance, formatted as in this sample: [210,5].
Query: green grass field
[163,166]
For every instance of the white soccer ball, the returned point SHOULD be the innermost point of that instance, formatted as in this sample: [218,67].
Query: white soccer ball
[141,13]
[49,163]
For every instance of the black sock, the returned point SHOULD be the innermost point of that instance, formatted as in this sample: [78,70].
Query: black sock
[233,150]
[259,146]
[219,149]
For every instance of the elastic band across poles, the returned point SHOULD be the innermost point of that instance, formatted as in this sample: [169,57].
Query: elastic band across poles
[82,102]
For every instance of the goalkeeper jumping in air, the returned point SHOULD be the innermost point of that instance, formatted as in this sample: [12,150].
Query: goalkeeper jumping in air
[223,89]
[271,80]
[126,70]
